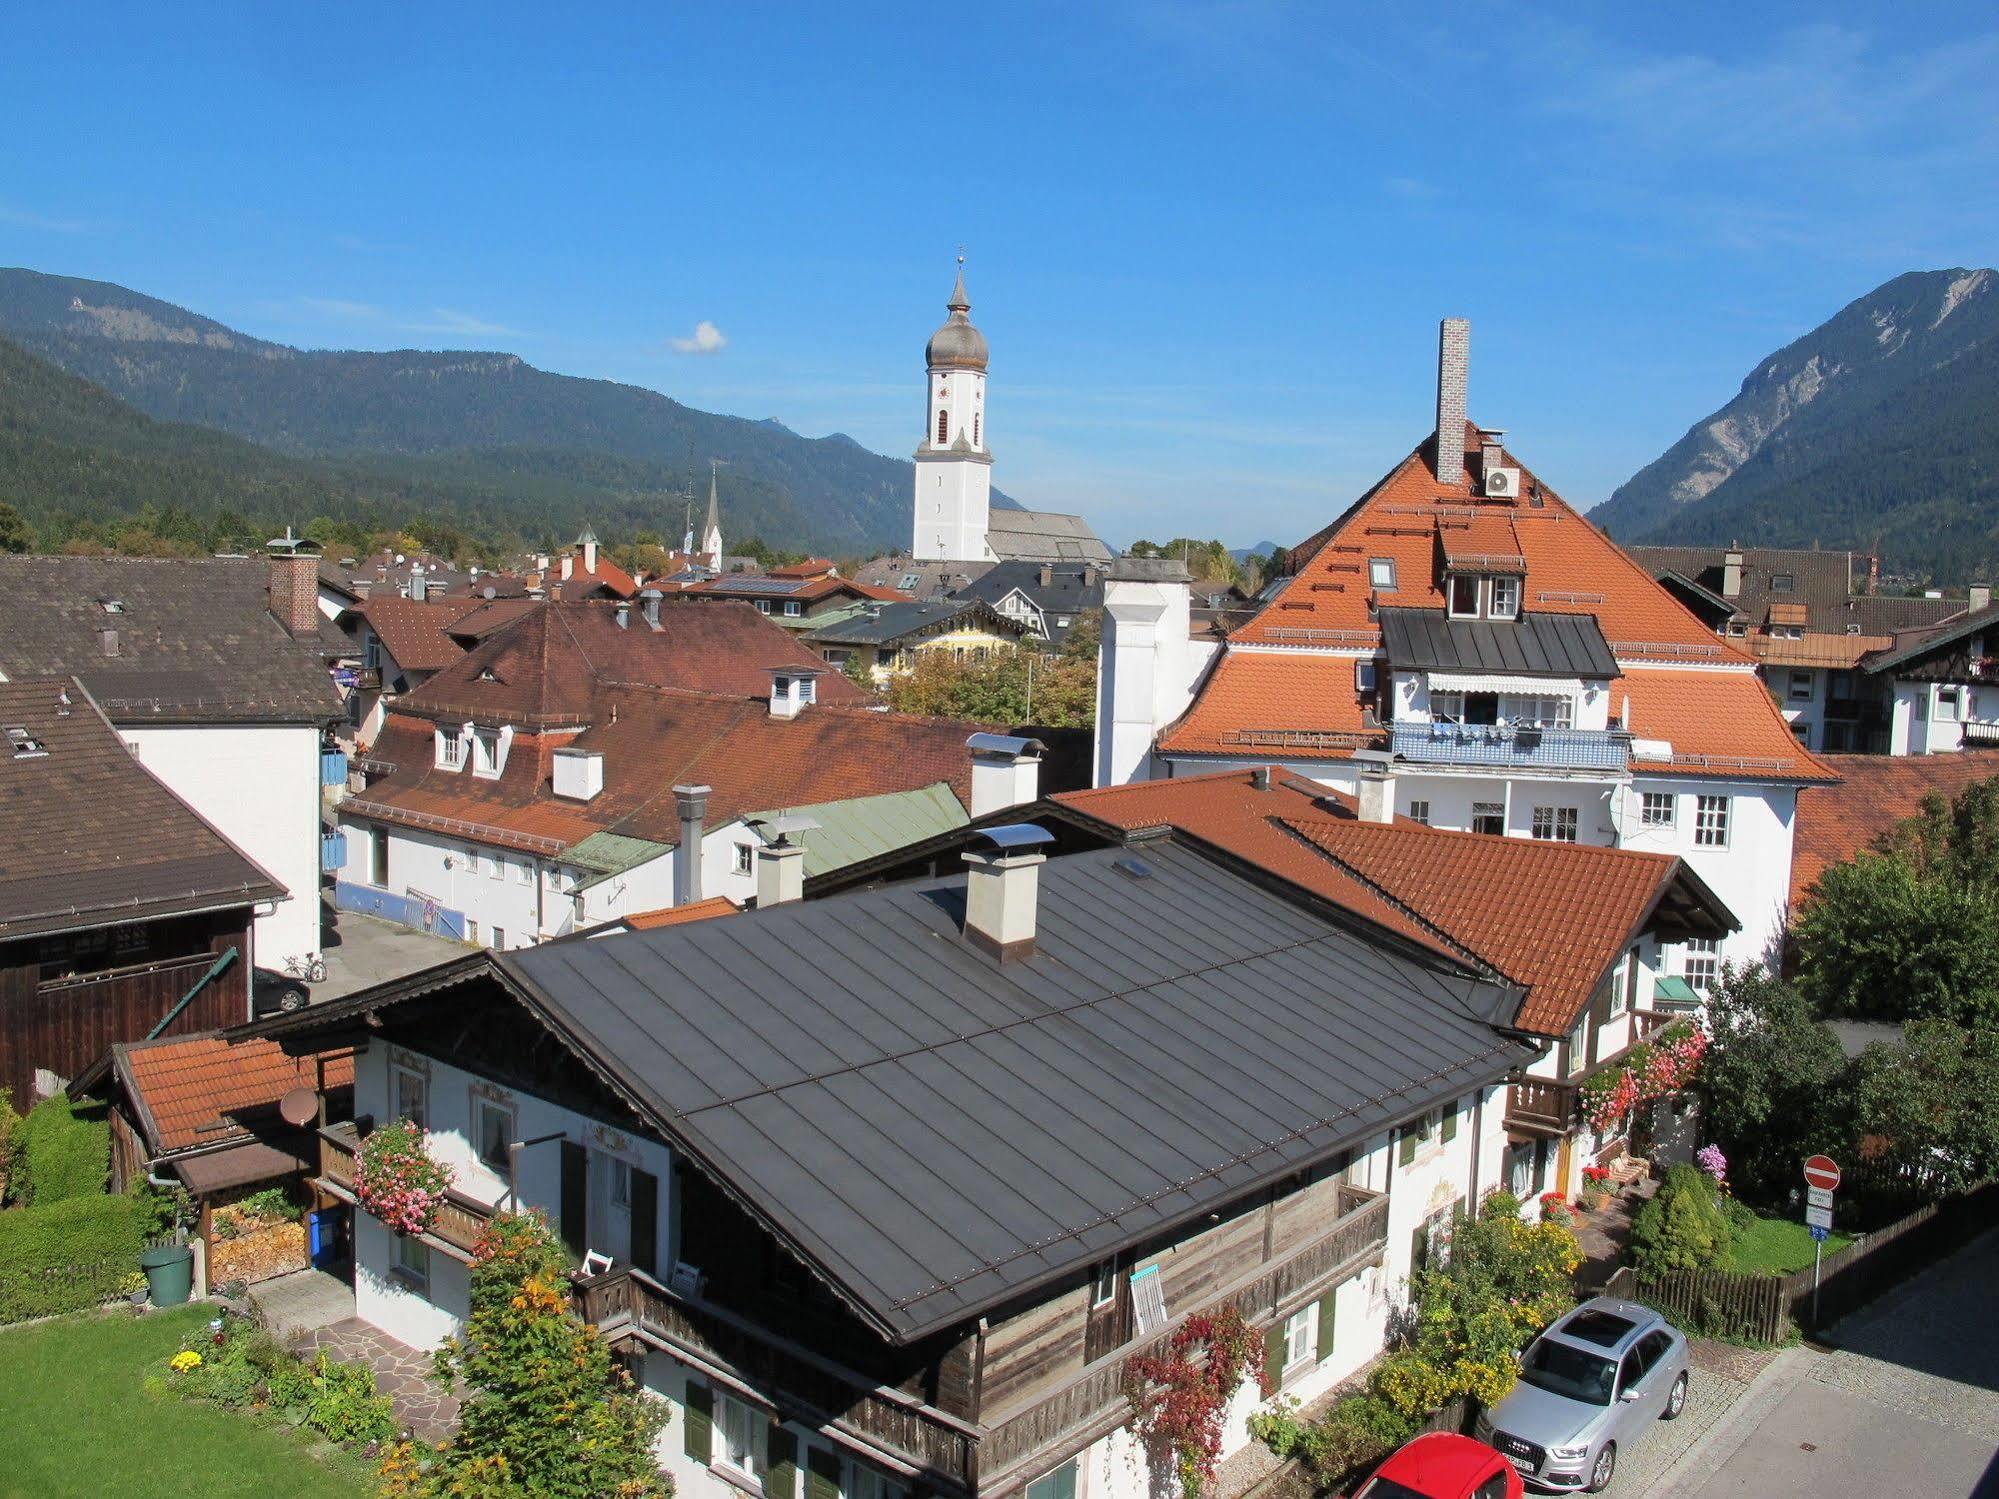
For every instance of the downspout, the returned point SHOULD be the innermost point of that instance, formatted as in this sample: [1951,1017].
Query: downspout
[215,969]
[1477,1141]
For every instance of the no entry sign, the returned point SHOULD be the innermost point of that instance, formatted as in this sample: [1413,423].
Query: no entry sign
[1822,1171]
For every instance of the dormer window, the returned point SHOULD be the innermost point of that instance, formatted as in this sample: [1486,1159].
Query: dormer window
[486,752]
[1504,598]
[1381,573]
[450,749]
[1464,593]
[1783,582]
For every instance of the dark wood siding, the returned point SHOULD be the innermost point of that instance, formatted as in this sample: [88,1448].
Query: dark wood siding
[61,1012]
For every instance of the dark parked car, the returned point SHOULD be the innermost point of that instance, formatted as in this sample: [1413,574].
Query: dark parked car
[272,992]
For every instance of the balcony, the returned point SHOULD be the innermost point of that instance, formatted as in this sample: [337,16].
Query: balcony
[907,1433]
[1505,747]
[460,1219]
[1541,1106]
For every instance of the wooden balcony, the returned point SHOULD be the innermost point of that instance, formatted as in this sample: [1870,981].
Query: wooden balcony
[935,1445]
[1541,1106]
[919,1440]
[460,1219]
[1093,1401]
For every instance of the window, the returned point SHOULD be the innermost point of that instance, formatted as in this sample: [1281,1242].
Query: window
[1702,963]
[1505,598]
[411,1264]
[975,429]
[471,931]
[1801,687]
[493,1131]
[1464,597]
[26,745]
[621,1184]
[1380,572]
[791,608]
[1420,812]
[450,749]
[1783,583]
[1488,817]
[412,1096]
[763,606]
[1148,1301]
[1557,712]
[1555,824]
[1103,1284]
[496,866]
[1945,709]
[745,858]
[1656,809]
[523,873]
[1416,1137]
[1061,1484]
[486,761]
[1738,627]
[740,1427]
[1576,1055]
[1364,676]
[1298,1331]
[499,939]
[943,428]
[378,857]
[909,581]
[1711,822]
[869,1483]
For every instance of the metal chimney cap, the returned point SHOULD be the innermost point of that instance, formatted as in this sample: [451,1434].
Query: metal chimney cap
[1016,835]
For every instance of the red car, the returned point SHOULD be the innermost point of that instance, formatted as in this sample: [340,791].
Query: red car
[1441,1465]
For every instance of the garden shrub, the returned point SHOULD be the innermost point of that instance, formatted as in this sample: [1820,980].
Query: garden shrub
[68,1255]
[65,1151]
[10,1125]
[245,1368]
[1683,1227]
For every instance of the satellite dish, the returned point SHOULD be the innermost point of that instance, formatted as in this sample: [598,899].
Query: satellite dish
[299,1106]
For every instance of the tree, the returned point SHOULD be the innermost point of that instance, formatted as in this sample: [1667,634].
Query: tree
[546,1410]
[1085,637]
[1884,938]
[1683,1226]
[1930,1107]
[1013,685]
[1770,1083]
[14,533]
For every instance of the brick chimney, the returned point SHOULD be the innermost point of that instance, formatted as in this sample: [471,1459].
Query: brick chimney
[1003,891]
[1453,361]
[294,586]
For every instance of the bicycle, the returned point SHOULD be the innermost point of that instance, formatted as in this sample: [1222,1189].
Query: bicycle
[312,971]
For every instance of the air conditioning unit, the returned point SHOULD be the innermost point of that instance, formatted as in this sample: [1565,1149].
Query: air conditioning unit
[1502,483]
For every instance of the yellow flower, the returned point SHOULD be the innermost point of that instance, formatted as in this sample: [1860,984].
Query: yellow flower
[185,1360]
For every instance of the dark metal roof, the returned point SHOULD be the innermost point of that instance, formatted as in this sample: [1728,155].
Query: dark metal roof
[1946,634]
[894,622]
[939,1131]
[1534,645]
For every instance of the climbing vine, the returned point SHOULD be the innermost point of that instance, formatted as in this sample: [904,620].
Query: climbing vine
[1179,1395]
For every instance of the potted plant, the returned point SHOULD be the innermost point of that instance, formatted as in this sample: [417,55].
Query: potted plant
[398,1179]
[1596,1188]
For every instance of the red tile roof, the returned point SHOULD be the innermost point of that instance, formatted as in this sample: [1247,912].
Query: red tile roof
[1259,703]
[417,635]
[198,1090]
[1875,794]
[1719,723]
[700,910]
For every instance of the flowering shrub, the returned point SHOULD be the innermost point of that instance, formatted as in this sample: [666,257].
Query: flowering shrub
[398,1180]
[1555,1209]
[184,1361]
[1710,1159]
[1178,1396]
[1663,1066]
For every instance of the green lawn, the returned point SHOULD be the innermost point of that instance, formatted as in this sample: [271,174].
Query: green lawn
[1777,1246]
[78,1423]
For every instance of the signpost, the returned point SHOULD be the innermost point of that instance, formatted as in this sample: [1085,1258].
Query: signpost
[1821,1179]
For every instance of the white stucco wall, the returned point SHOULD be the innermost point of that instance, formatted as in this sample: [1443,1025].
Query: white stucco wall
[258,784]
[1752,875]
[423,1318]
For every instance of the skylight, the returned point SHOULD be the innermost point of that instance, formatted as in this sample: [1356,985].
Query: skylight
[26,746]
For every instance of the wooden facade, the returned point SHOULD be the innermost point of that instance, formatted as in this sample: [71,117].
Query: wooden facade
[66,998]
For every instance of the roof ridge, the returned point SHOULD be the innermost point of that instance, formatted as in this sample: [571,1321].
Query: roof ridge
[1555,848]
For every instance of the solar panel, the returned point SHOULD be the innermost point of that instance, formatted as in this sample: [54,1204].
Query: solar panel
[768,585]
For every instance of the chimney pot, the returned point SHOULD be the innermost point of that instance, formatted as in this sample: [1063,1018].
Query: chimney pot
[692,804]
[1259,778]
[624,607]
[107,640]
[649,603]
[1453,361]
[1006,771]
[1376,795]
[1003,891]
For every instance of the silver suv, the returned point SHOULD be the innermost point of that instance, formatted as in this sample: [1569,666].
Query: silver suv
[1590,1383]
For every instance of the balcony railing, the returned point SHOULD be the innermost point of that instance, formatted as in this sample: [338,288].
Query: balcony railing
[460,1219]
[1507,747]
[1541,1106]
[628,1302]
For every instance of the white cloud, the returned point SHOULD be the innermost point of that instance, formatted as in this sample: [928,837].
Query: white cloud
[341,308]
[706,339]
[27,219]
[464,324]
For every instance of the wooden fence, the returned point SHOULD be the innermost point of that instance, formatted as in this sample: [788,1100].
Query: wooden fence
[1764,1307]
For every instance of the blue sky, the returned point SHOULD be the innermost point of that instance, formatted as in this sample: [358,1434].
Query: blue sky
[1208,243]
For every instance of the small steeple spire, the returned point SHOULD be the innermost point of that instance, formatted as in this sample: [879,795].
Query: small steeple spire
[959,301]
[711,534]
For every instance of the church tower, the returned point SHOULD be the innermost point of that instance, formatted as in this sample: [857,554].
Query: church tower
[711,534]
[954,479]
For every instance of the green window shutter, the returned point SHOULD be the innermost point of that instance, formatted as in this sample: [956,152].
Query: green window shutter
[1273,1356]
[822,1473]
[698,1433]
[1060,1484]
[781,1467]
[1450,1121]
[1408,1151]
[1326,1323]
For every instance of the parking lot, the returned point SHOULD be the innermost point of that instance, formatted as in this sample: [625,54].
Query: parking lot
[364,950]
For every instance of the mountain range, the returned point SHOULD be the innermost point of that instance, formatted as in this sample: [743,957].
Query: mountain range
[1876,428]
[508,448]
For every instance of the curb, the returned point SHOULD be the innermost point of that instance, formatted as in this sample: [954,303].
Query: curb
[1737,1424]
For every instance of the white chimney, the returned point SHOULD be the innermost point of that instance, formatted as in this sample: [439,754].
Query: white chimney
[590,555]
[1377,785]
[1006,771]
[1453,361]
[649,602]
[1145,672]
[1981,598]
[568,565]
[578,773]
[416,583]
[792,689]
[692,804]
[624,610]
[781,862]
[1003,889]
[1731,575]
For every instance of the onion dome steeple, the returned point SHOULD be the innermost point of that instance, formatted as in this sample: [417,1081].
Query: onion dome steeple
[958,345]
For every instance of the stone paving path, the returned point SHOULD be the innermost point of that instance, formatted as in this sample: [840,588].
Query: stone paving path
[403,1374]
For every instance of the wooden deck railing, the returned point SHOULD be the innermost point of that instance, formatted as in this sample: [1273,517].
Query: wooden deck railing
[1541,1105]
[1360,1233]
[460,1219]
[935,1443]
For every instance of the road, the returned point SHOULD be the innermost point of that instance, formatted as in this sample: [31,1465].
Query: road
[1908,1405]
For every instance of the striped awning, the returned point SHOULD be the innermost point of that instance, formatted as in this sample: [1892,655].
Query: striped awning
[1465,681]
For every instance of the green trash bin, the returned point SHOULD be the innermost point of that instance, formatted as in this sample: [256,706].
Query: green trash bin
[169,1274]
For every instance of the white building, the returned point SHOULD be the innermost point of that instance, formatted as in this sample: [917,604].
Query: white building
[1509,668]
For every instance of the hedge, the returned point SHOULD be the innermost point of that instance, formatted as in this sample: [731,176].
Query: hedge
[67,1256]
[64,1154]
